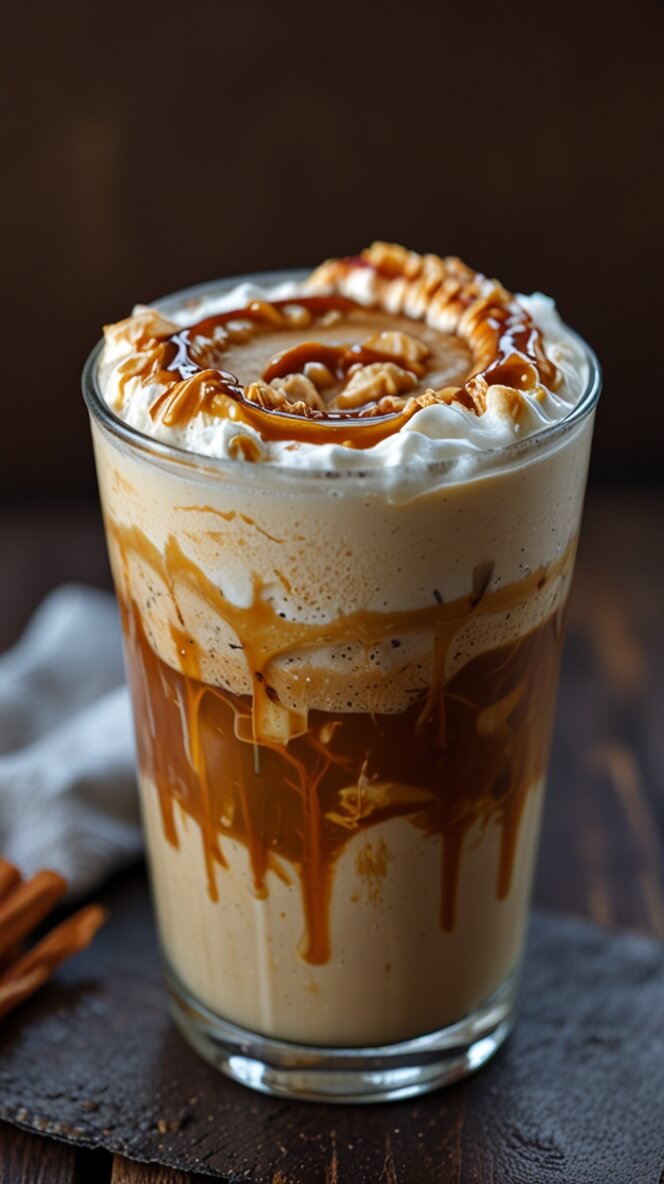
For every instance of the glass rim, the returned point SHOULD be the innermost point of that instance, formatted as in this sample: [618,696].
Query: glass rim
[484,462]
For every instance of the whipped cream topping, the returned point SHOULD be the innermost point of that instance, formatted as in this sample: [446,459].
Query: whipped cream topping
[403,359]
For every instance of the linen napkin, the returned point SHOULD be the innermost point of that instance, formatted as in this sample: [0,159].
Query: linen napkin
[68,796]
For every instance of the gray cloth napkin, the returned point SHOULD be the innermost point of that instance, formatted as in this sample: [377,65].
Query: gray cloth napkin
[67,786]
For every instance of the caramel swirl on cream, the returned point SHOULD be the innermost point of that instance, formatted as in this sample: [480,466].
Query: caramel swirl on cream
[349,359]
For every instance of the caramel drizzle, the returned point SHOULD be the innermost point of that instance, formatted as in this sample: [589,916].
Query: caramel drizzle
[467,750]
[507,345]
[215,391]
[507,349]
[338,359]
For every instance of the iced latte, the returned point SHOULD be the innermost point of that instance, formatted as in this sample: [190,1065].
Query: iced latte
[342,511]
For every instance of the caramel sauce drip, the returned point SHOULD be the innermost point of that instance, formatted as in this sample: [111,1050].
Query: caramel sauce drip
[466,751]
[520,361]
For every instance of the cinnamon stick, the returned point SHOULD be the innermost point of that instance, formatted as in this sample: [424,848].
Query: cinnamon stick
[9,877]
[25,905]
[30,971]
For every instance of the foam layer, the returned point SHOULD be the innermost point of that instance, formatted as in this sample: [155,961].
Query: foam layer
[309,559]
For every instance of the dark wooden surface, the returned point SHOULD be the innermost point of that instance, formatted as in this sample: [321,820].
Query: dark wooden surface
[603,838]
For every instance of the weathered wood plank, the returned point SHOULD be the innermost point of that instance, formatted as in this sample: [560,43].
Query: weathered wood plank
[29,1159]
[127,1171]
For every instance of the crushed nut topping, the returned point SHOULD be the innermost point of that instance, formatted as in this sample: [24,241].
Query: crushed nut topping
[391,259]
[319,374]
[399,345]
[342,379]
[298,388]
[369,384]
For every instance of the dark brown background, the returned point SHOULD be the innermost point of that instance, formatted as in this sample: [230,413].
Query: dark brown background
[151,146]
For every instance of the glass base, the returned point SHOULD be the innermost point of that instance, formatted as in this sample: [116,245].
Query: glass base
[313,1074]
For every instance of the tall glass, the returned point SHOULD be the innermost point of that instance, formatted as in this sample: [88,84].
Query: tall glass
[343,691]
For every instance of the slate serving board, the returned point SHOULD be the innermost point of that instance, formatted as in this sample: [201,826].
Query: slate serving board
[576,1096]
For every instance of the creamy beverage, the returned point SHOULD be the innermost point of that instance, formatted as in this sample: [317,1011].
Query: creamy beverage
[342,512]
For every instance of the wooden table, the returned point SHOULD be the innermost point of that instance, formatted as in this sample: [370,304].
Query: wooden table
[607,833]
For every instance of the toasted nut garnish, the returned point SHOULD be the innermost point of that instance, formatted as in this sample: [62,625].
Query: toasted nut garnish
[298,388]
[399,345]
[506,403]
[239,331]
[296,316]
[392,259]
[268,313]
[370,383]
[218,339]
[264,395]
[331,317]
[146,325]
[319,375]
[475,390]
[272,396]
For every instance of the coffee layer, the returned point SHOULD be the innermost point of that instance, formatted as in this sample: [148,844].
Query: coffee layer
[468,749]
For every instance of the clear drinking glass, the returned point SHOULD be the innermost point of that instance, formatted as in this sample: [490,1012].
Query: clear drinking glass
[343,691]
